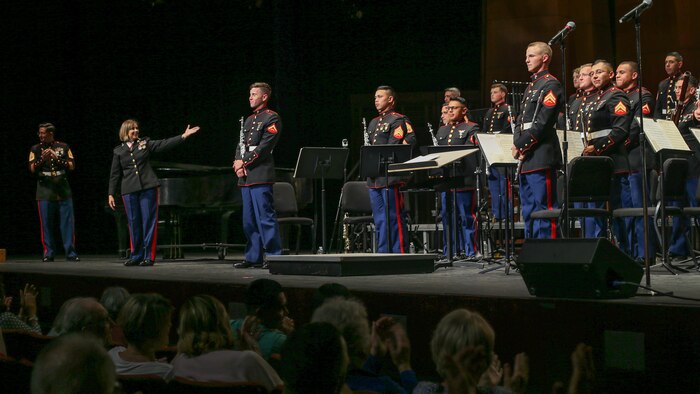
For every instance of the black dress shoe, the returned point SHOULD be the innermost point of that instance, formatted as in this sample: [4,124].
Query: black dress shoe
[147,263]
[243,264]
[73,258]
[131,263]
[264,265]
[47,259]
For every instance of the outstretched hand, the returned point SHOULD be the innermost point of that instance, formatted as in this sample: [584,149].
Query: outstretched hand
[516,377]
[493,375]
[583,370]
[189,131]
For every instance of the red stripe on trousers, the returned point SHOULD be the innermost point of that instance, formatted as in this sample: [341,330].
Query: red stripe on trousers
[155,228]
[548,176]
[397,196]
[41,227]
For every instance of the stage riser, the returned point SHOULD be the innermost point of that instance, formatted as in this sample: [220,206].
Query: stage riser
[546,329]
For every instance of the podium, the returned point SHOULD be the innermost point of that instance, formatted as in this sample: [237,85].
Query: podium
[321,163]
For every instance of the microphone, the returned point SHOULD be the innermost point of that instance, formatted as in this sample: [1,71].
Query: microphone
[559,37]
[636,11]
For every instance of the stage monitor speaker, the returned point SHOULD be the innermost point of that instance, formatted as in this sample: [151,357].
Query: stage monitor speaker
[577,268]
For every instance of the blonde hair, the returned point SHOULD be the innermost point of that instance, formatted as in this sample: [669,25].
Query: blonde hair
[457,330]
[126,126]
[204,326]
[543,48]
[349,316]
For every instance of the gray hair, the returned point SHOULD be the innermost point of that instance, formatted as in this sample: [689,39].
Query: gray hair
[349,316]
[457,330]
[82,314]
[113,299]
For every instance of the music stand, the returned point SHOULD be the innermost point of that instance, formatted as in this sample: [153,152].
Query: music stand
[454,175]
[374,163]
[496,151]
[665,139]
[434,161]
[321,163]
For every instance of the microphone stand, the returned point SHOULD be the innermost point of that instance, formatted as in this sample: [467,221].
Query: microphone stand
[565,142]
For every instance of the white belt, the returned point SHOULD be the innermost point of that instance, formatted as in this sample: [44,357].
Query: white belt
[53,173]
[599,134]
[663,112]
[527,126]
[252,148]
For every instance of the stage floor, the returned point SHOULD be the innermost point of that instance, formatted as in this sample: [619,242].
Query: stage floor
[463,279]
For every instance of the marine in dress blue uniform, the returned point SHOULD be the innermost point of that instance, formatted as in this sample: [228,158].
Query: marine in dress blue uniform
[665,97]
[678,246]
[255,168]
[607,124]
[460,131]
[390,127]
[132,175]
[626,79]
[496,121]
[535,142]
[50,161]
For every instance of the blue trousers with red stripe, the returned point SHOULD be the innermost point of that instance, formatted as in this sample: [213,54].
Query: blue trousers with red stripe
[498,189]
[142,216]
[620,197]
[260,223]
[466,223]
[537,193]
[638,241]
[397,219]
[47,216]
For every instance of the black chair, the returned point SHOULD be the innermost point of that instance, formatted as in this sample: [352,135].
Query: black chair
[24,345]
[186,386]
[357,215]
[694,213]
[590,180]
[287,212]
[144,384]
[15,375]
[621,213]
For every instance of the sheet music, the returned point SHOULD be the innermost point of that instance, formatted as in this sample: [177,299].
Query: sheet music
[575,143]
[696,133]
[422,159]
[496,148]
[663,134]
[432,160]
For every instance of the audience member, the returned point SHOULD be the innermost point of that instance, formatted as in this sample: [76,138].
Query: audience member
[113,299]
[350,318]
[266,309]
[145,320]
[462,348]
[26,319]
[328,291]
[205,348]
[83,314]
[73,364]
[315,360]
[582,372]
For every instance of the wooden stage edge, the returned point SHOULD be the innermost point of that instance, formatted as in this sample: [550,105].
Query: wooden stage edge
[646,340]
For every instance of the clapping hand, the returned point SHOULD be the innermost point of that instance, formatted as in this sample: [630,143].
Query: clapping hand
[516,377]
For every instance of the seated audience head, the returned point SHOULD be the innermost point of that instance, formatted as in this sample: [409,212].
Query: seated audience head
[145,321]
[459,329]
[350,318]
[328,291]
[204,326]
[75,364]
[314,360]
[83,314]
[113,299]
[265,299]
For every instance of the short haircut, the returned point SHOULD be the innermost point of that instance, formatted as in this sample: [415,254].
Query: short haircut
[692,81]
[462,100]
[313,360]
[454,90]
[350,318]
[542,47]
[262,294]
[677,55]
[633,65]
[113,299]
[204,326]
[388,88]
[143,319]
[126,126]
[500,87]
[577,71]
[328,291]
[446,104]
[75,364]
[50,128]
[604,62]
[459,329]
[263,86]
[584,66]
